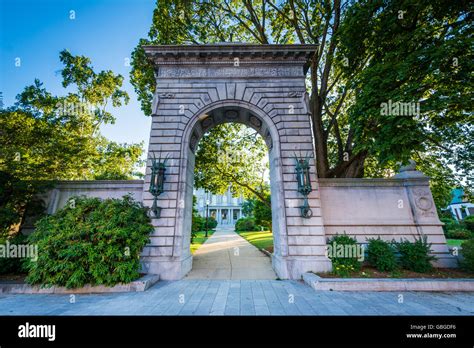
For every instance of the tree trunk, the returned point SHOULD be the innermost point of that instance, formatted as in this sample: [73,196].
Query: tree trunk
[316,108]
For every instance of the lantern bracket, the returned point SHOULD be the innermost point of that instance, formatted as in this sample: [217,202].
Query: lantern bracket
[157,179]
[304,183]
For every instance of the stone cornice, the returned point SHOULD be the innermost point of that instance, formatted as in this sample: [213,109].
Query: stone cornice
[226,54]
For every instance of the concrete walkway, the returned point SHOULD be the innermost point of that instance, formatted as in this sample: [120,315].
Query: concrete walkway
[226,255]
[240,297]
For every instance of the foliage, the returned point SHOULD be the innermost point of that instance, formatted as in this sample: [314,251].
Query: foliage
[211,223]
[343,263]
[232,154]
[442,178]
[16,198]
[196,222]
[449,224]
[469,223]
[117,161]
[98,89]
[246,224]
[467,251]
[360,45]
[431,37]
[197,225]
[415,256]
[199,222]
[455,230]
[263,213]
[248,207]
[9,264]
[45,137]
[96,242]
[459,233]
[381,255]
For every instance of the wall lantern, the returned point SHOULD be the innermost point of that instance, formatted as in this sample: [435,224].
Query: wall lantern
[304,184]
[157,181]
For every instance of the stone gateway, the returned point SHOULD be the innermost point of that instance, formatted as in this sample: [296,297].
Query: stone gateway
[263,87]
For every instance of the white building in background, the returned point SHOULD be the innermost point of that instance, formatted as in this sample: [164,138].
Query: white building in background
[460,207]
[224,208]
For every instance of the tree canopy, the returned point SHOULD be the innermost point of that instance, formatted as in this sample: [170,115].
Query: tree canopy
[236,156]
[44,137]
[371,53]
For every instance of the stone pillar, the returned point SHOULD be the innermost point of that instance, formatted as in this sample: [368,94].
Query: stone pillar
[424,213]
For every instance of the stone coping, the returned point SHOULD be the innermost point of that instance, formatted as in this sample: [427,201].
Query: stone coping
[141,284]
[81,184]
[364,182]
[382,284]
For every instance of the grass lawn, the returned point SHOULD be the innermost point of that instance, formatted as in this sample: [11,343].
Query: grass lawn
[260,239]
[454,242]
[200,239]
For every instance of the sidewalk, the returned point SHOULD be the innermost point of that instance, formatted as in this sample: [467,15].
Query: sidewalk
[227,256]
[241,297]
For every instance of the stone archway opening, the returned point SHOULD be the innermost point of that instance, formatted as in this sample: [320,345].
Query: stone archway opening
[220,114]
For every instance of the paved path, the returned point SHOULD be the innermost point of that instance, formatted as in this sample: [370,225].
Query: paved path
[240,297]
[226,255]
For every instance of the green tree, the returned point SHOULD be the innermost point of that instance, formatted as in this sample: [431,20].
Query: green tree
[263,213]
[45,137]
[248,207]
[369,52]
[413,52]
[234,155]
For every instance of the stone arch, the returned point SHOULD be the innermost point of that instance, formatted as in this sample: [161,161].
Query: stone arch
[267,129]
[266,90]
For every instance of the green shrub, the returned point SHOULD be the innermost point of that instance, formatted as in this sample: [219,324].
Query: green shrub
[469,223]
[245,224]
[415,256]
[454,230]
[342,253]
[211,223]
[263,213]
[13,265]
[449,224]
[96,242]
[197,223]
[467,251]
[458,234]
[381,255]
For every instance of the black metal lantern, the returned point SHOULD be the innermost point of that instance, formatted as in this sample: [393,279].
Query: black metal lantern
[302,175]
[157,181]
[304,184]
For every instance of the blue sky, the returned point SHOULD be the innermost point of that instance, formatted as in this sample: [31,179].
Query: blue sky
[106,31]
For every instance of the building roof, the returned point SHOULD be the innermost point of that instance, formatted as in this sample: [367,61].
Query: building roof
[458,195]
